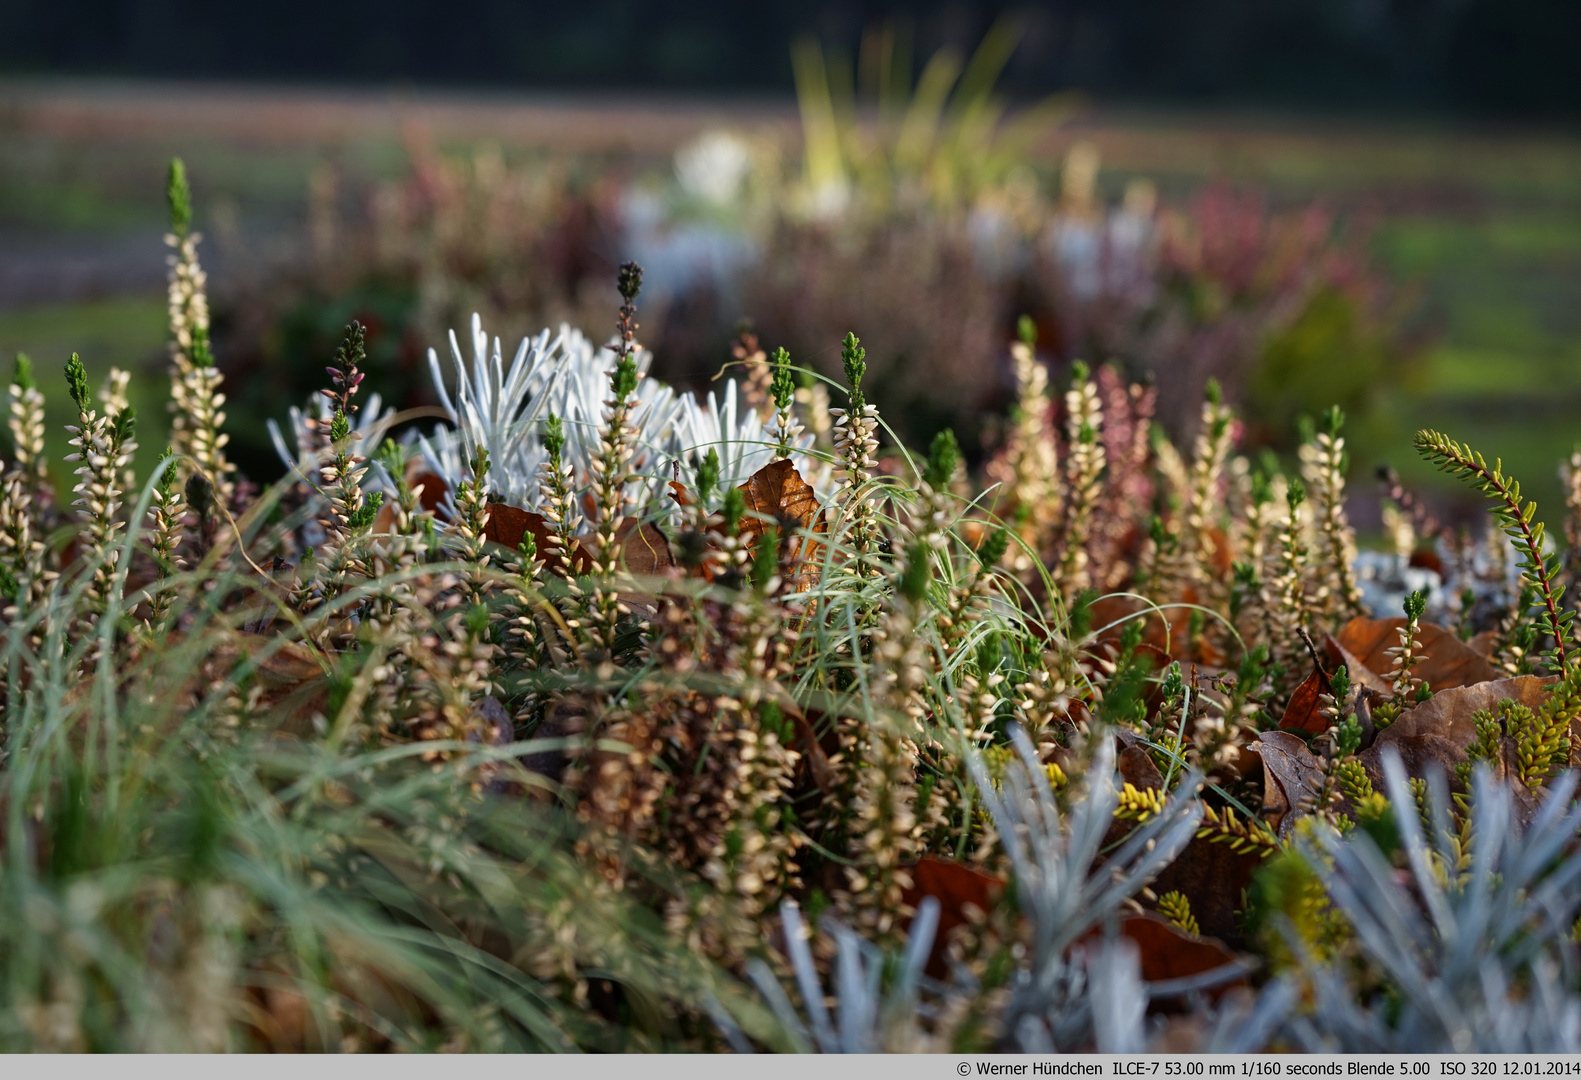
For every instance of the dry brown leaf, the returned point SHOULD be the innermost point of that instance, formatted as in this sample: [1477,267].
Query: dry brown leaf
[508,525]
[1168,952]
[565,718]
[1360,674]
[1212,876]
[288,665]
[1304,713]
[813,753]
[778,492]
[1165,631]
[1485,644]
[1447,662]
[1435,733]
[1138,769]
[1291,775]
[644,547]
[290,675]
[491,716]
[958,888]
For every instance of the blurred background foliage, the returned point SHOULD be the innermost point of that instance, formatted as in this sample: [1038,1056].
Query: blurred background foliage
[1492,55]
[934,178]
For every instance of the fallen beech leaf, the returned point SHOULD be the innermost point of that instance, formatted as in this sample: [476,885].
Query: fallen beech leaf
[1219,553]
[644,547]
[564,719]
[493,718]
[1276,804]
[1138,769]
[1134,764]
[646,553]
[1447,662]
[813,753]
[508,525]
[1291,775]
[974,531]
[1167,952]
[778,492]
[1212,876]
[1428,560]
[1435,733]
[290,663]
[955,886]
[1304,713]
[290,676]
[1360,674]
[1368,700]
[1166,630]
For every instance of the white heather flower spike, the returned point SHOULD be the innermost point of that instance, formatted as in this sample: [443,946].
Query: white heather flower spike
[369,424]
[113,393]
[195,397]
[26,424]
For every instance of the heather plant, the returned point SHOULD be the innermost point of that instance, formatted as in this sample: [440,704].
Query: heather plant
[916,210]
[559,725]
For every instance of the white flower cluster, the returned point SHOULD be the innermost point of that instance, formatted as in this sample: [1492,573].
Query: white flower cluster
[503,407]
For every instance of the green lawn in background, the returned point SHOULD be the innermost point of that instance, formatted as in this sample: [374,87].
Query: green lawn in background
[1505,371]
[128,333]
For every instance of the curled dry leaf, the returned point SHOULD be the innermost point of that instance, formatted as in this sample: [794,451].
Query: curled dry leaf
[645,548]
[1304,713]
[1166,951]
[1292,775]
[1435,734]
[813,754]
[290,675]
[430,489]
[565,719]
[494,721]
[683,498]
[1138,769]
[1447,662]
[645,551]
[1360,674]
[433,487]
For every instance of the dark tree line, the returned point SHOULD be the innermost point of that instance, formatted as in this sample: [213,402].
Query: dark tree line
[1501,56]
